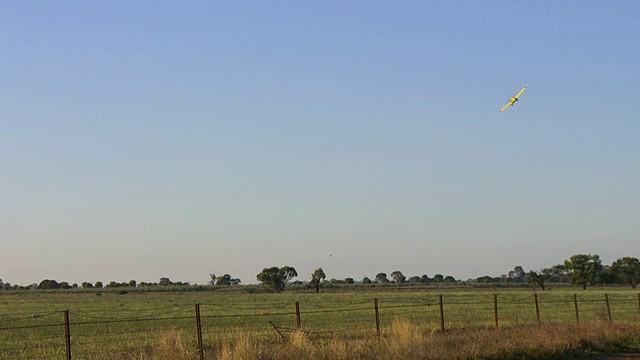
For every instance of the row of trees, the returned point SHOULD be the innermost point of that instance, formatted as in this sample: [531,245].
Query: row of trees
[580,269]
[587,269]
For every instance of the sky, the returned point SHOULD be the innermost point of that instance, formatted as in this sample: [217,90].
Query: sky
[147,139]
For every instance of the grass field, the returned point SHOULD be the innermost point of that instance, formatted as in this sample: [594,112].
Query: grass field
[113,325]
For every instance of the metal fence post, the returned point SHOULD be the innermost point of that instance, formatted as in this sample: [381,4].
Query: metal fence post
[298,321]
[375,305]
[199,330]
[441,313]
[495,308]
[575,303]
[67,334]
[535,296]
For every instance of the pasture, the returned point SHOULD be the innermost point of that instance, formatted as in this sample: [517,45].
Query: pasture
[139,324]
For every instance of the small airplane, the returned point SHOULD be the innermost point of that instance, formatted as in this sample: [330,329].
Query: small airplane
[513,99]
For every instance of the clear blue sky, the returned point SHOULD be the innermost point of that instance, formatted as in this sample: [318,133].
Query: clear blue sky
[147,139]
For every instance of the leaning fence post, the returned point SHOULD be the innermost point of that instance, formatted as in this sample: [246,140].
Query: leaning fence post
[606,299]
[441,313]
[199,330]
[575,303]
[298,321]
[535,296]
[375,305]
[495,307]
[67,334]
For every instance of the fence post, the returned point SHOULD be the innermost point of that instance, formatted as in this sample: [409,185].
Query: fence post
[375,305]
[67,334]
[575,303]
[298,321]
[199,329]
[495,308]
[638,302]
[535,296]
[606,299]
[441,313]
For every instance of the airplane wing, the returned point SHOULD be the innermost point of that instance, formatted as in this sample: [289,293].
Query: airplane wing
[520,92]
[506,106]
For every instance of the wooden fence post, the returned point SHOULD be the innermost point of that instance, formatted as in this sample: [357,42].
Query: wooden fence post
[375,305]
[199,330]
[441,314]
[495,308]
[606,299]
[298,321]
[575,303]
[67,334]
[535,296]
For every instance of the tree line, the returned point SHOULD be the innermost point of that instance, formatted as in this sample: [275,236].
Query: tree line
[579,269]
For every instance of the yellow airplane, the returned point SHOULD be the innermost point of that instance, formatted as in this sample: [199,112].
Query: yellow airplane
[513,99]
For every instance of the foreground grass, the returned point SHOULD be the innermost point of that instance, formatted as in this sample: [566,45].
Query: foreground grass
[404,340]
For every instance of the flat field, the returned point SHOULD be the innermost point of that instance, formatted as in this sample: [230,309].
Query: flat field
[105,324]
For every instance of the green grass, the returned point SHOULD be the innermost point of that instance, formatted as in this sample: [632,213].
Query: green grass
[136,322]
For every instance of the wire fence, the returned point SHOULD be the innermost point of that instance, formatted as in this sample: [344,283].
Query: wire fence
[61,334]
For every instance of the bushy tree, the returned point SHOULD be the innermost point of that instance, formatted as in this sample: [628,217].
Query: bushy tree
[226,279]
[539,277]
[398,277]
[382,278]
[583,269]
[316,278]
[277,277]
[366,280]
[48,284]
[627,269]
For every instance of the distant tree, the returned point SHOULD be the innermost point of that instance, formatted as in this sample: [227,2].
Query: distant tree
[381,278]
[48,284]
[425,279]
[164,281]
[277,277]
[517,274]
[366,280]
[539,277]
[560,274]
[414,279]
[212,281]
[485,279]
[235,281]
[316,278]
[64,285]
[132,283]
[398,277]
[98,284]
[627,269]
[224,280]
[86,285]
[438,278]
[449,279]
[349,281]
[583,269]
